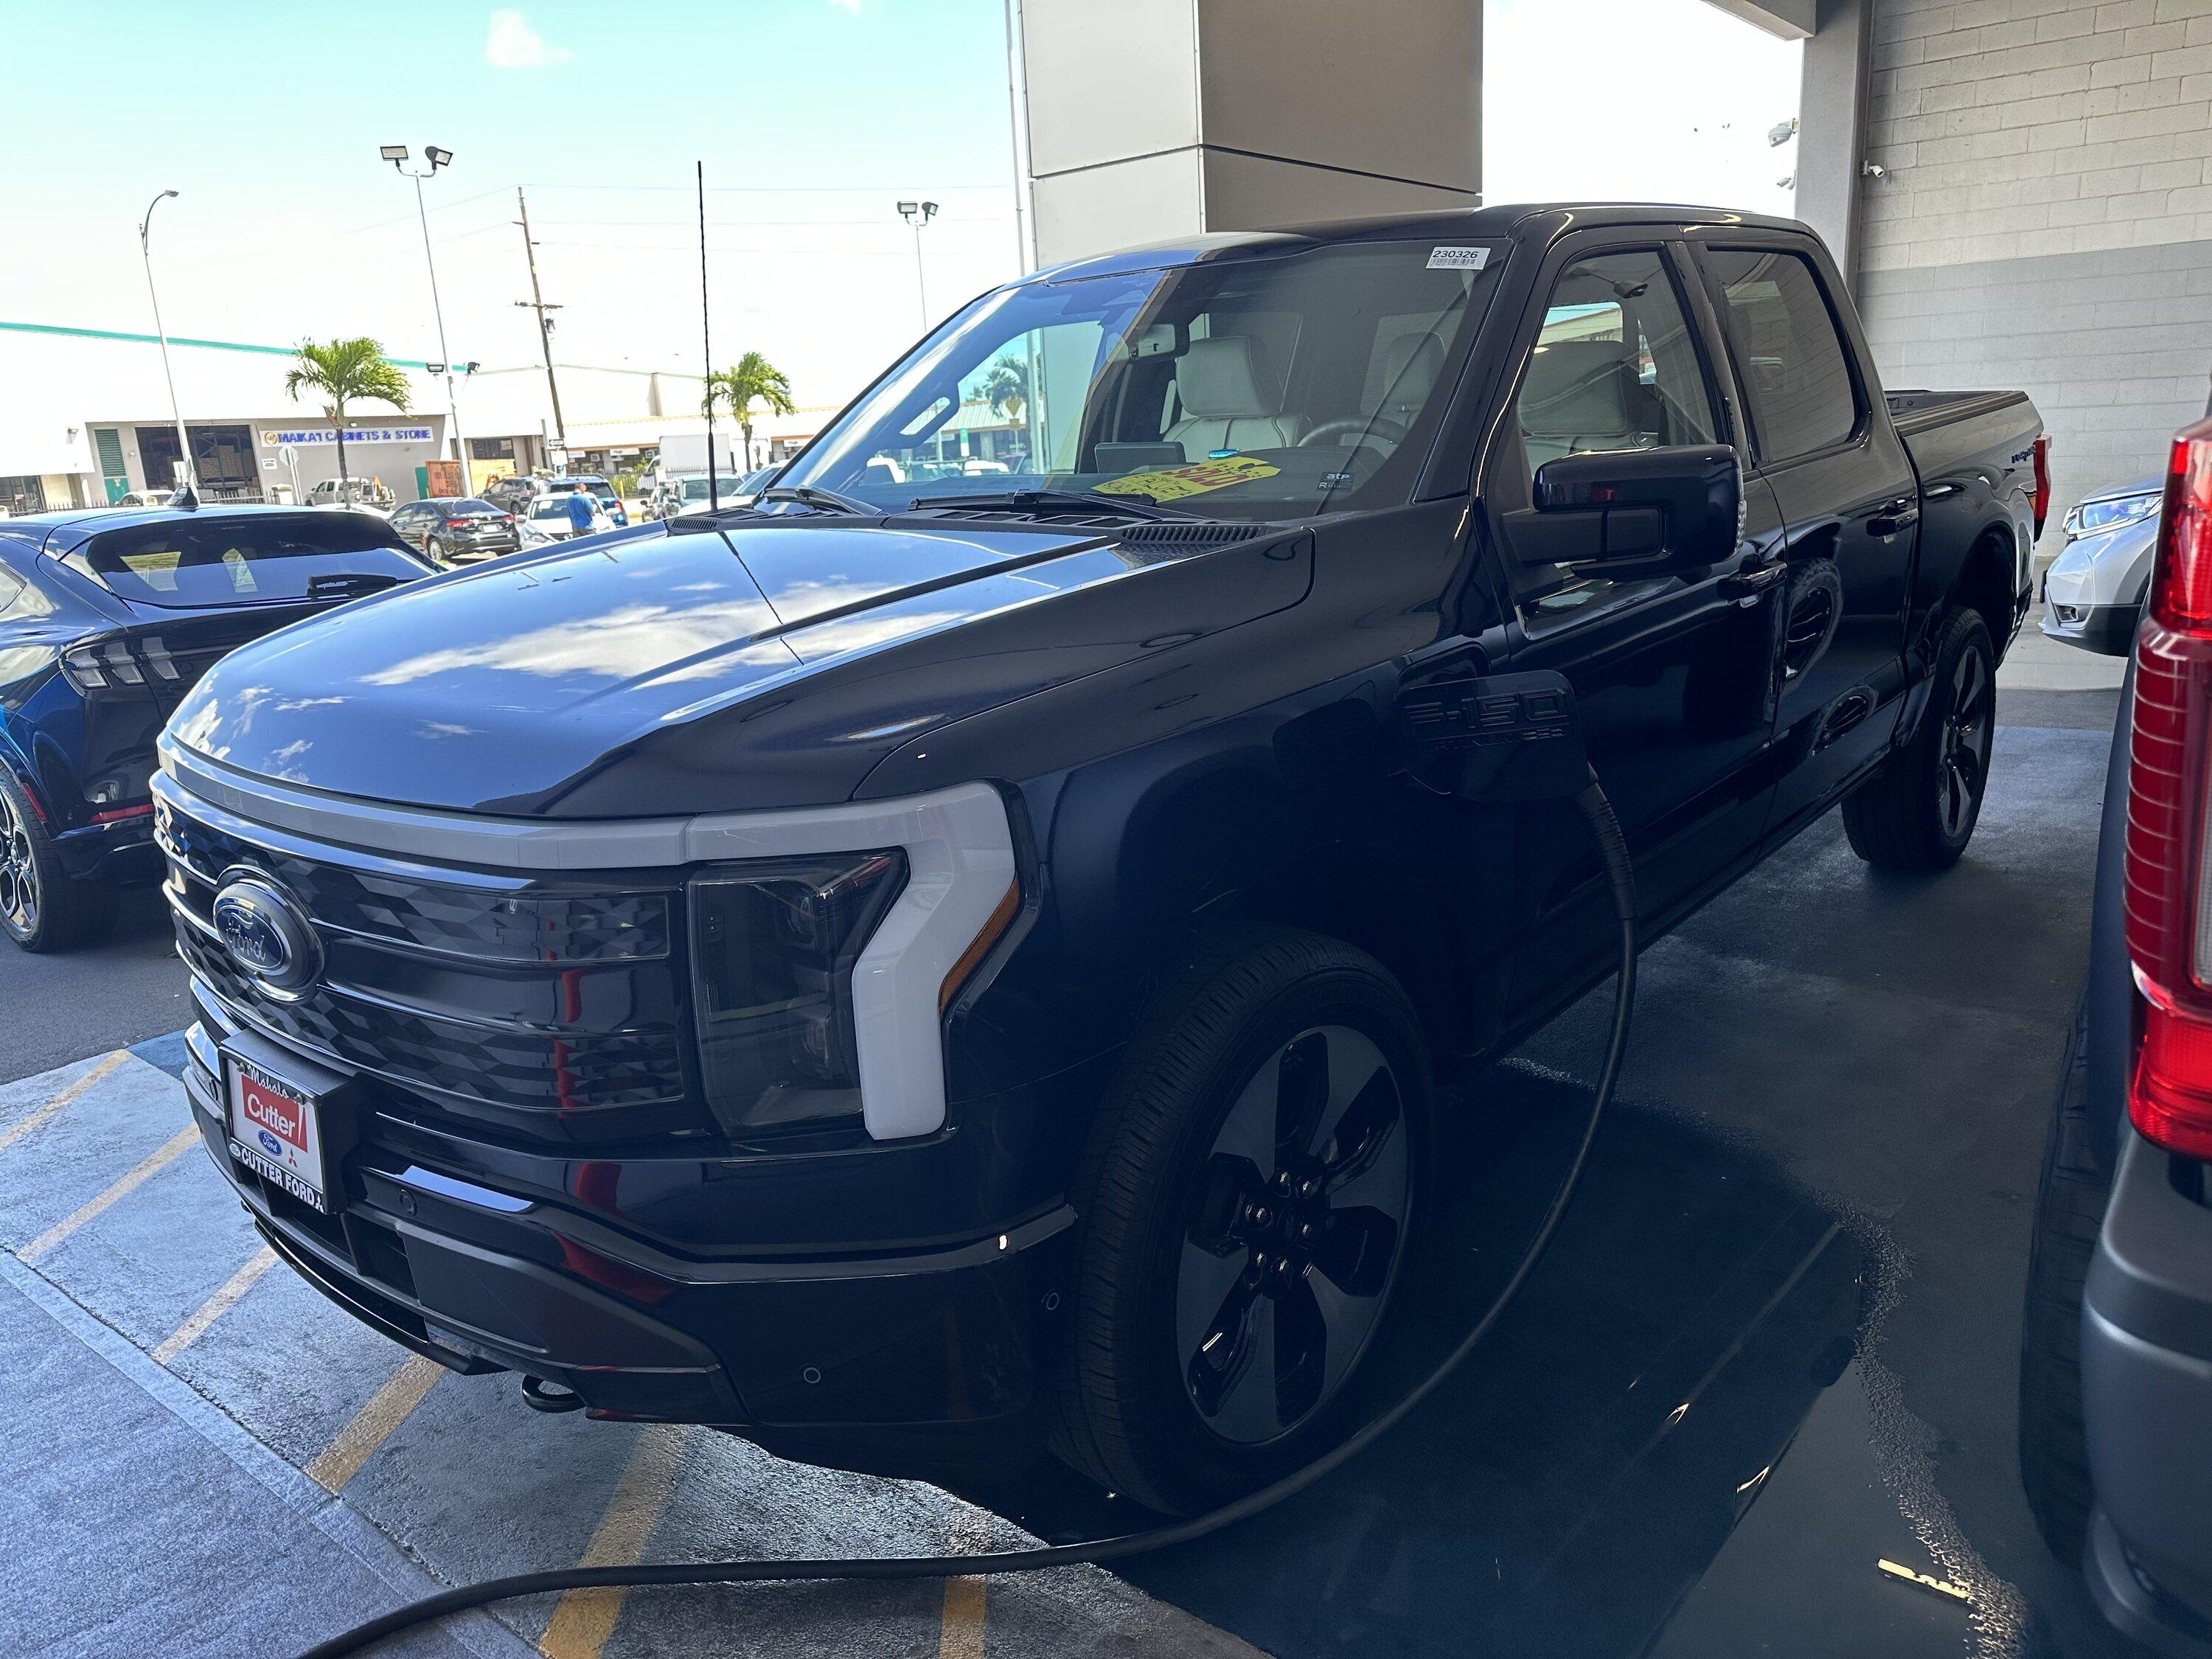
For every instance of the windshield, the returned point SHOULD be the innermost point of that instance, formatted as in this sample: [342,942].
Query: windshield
[1251,388]
[248,560]
[551,508]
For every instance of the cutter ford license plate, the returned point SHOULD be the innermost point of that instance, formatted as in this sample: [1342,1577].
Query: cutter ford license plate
[275,1130]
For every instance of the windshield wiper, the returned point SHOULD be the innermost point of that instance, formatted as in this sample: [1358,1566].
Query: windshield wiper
[1054,501]
[808,495]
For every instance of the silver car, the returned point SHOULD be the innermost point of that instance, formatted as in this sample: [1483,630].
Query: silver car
[2094,592]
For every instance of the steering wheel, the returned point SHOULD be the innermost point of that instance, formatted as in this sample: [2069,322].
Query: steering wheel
[1368,427]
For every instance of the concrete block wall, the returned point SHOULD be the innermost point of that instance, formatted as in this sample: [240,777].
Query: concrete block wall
[2045,216]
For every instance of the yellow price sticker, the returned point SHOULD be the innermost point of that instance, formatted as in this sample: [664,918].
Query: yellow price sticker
[1170,483]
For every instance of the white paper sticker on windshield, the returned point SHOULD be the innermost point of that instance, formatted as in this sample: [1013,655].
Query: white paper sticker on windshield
[1458,258]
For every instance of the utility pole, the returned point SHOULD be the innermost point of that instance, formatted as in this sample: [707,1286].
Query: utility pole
[536,302]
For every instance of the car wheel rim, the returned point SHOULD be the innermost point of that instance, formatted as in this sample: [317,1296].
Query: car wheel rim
[1964,749]
[19,871]
[1293,1235]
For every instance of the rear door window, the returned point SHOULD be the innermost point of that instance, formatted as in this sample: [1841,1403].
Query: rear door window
[188,564]
[1788,354]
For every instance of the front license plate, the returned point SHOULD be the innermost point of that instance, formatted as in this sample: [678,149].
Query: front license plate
[275,1131]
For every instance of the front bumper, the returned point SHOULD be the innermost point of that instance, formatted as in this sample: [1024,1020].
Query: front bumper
[2147,1403]
[2107,629]
[906,1363]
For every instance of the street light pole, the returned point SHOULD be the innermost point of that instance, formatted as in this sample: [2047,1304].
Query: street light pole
[146,253]
[396,154]
[919,214]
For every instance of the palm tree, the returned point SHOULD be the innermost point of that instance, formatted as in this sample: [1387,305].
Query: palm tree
[1006,387]
[754,380]
[343,371]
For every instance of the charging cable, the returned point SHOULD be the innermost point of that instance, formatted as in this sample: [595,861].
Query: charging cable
[1613,848]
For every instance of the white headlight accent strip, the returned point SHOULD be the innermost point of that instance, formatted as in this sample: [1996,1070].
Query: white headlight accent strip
[960,862]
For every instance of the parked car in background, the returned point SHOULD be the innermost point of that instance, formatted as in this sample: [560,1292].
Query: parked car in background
[908,969]
[457,530]
[548,520]
[2116,1357]
[693,495]
[591,483]
[108,618]
[514,493]
[371,495]
[2093,594]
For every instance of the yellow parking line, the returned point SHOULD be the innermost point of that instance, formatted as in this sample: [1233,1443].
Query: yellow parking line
[153,1165]
[961,1634]
[583,1619]
[216,1306]
[960,1626]
[16,1132]
[374,1424]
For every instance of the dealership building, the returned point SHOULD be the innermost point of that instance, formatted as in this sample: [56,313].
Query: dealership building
[2018,190]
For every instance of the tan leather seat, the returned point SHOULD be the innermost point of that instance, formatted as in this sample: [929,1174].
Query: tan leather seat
[1229,401]
[1584,395]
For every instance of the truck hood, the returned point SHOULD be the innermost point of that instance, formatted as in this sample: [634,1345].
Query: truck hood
[645,674]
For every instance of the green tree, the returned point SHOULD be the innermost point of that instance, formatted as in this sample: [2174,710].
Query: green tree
[1006,387]
[342,373]
[754,380]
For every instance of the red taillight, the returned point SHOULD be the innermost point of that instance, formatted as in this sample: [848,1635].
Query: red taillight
[117,814]
[457,524]
[2042,481]
[2169,941]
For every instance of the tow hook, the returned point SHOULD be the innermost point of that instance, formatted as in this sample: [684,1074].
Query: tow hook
[550,1397]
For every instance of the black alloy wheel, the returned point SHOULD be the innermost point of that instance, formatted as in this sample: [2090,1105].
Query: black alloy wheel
[20,905]
[1246,1202]
[1919,811]
[1964,745]
[42,907]
[1293,1234]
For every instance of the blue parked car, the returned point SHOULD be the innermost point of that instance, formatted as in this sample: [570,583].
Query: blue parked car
[108,618]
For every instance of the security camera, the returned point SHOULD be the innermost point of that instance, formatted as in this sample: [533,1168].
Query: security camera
[1873,170]
[1782,131]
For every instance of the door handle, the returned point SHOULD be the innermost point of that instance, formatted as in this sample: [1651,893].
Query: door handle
[1892,516]
[1746,587]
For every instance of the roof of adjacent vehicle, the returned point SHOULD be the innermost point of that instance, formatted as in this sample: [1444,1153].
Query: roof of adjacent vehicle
[1507,221]
[66,526]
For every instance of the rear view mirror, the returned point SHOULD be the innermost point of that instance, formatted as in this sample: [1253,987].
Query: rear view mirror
[1643,511]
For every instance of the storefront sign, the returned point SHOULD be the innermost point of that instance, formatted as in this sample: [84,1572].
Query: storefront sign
[272,437]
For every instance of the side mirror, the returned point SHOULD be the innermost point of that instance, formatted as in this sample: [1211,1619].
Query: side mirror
[1641,512]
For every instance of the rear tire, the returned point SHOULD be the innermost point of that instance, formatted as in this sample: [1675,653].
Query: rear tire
[1246,1198]
[2069,1210]
[42,907]
[1919,811]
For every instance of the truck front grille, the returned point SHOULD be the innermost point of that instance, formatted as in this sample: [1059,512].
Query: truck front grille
[550,1008]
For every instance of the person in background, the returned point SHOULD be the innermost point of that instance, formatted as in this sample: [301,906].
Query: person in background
[583,512]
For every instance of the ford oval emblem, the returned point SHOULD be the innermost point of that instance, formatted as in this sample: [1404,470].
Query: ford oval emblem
[266,935]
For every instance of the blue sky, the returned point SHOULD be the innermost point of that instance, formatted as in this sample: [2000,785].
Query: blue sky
[812,116]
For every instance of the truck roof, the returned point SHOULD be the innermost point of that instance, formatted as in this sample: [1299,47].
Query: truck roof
[1506,221]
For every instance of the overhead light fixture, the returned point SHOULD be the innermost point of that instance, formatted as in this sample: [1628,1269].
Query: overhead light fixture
[438,157]
[394,153]
[907,209]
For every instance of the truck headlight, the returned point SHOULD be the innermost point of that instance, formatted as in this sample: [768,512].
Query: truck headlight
[773,946]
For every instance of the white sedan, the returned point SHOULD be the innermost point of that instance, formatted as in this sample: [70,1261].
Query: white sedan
[547,521]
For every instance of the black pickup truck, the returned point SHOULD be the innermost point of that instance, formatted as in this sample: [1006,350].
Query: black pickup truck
[951,954]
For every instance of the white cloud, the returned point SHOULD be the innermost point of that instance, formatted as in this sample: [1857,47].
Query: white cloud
[513,44]
[852,6]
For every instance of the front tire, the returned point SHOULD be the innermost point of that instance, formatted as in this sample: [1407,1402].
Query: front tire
[1245,1200]
[42,907]
[1919,811]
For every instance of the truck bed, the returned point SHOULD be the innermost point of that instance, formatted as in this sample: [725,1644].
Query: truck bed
[1947,431]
